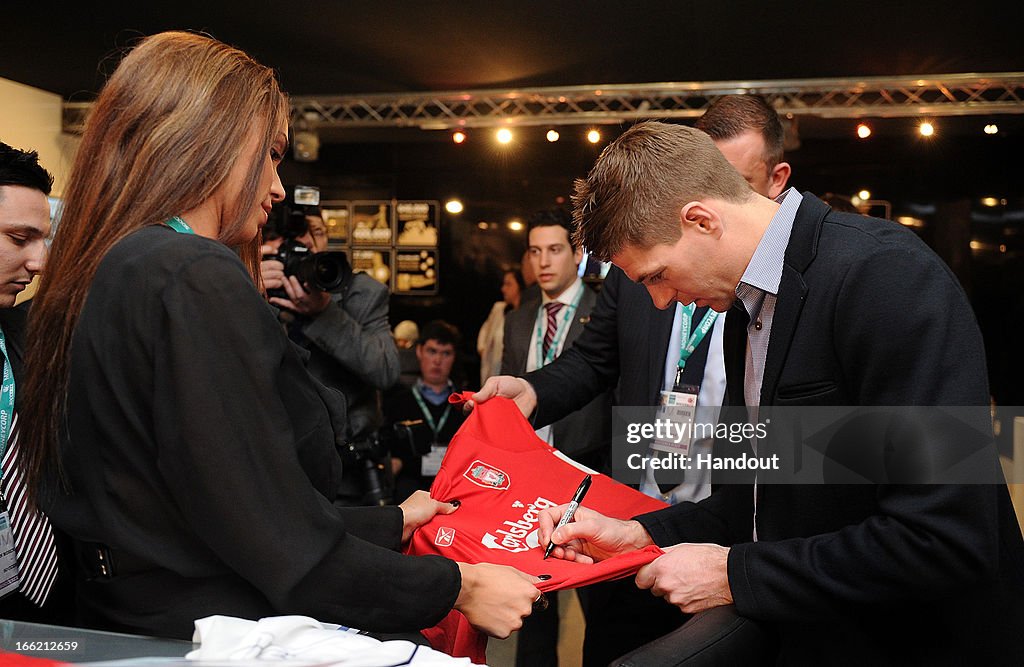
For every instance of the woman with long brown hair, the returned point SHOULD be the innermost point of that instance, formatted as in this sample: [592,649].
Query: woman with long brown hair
[169,427]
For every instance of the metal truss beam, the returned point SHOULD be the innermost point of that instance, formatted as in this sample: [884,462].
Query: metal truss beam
[878,97]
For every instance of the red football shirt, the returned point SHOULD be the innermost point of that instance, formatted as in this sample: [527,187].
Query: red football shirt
[504,476]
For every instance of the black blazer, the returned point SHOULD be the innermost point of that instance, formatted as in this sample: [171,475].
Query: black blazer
[14,323]
[200,452]
[588,429]
[868,315]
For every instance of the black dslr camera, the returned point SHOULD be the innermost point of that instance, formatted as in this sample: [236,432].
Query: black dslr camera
[325,271]
[405,437]
[372,454]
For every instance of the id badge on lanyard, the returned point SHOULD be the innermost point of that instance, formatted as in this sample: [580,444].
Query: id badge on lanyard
[676,415]
[430,464]
[9,577]
[675,419]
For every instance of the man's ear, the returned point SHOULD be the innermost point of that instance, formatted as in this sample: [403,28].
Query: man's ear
[778,178]
[700,216]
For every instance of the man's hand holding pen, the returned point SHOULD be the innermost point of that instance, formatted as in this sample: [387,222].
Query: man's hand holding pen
[591,536]
[693,577]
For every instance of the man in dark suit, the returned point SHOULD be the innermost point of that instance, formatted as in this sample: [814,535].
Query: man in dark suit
[533,337]
[633,347]
[843,310]
[535,334]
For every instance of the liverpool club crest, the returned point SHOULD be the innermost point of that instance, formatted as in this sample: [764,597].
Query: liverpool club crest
[486,476]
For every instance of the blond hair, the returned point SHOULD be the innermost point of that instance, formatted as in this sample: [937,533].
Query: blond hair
[633,194]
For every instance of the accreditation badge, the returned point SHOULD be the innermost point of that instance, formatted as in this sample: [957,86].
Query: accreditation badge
[9,578]
[674,420]
[430,463]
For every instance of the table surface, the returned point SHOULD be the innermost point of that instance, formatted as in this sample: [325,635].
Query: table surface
[79,645]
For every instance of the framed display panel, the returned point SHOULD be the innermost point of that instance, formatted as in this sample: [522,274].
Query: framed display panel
[376,262]
[416,271]
[416,223]
[371,223]
[337,218]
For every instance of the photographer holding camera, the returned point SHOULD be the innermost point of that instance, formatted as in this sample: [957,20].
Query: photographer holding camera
[341,319]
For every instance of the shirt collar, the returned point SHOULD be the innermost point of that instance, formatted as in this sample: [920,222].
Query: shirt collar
[431,396]
[764,271]
[568,296]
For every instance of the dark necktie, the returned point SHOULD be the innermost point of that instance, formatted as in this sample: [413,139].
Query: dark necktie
[552,308]
[33,535]
[735,349]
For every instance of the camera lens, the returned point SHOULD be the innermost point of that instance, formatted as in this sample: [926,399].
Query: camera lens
[327,274]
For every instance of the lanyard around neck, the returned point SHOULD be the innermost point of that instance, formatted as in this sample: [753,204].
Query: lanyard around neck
[568,312]
[689,342]
[429,416]
[6,397]
[179,225]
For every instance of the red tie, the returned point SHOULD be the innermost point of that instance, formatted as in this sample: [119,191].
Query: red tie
[549,336]
[33,535]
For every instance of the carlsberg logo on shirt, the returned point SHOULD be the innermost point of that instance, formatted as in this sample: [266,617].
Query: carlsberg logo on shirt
[520,535]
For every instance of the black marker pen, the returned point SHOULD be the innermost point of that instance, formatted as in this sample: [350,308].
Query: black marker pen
[577,498]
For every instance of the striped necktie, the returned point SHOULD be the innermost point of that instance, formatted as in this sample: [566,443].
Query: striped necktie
[33,535]
[552,308]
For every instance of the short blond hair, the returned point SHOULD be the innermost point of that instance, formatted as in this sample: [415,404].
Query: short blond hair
[633,195]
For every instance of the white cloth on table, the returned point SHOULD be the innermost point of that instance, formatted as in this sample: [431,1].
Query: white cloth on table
[300,638]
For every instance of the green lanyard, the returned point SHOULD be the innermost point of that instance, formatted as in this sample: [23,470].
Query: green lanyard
[568,311]
[179,225]
[689,342]
[427,415]
[6,397]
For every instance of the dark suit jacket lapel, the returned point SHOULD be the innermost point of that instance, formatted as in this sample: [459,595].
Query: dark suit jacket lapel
[14,321]
[581,317]
[803,244]
[521,330]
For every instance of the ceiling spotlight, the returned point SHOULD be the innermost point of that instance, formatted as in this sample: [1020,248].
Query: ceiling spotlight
[864,195]
[453,206]
[926,129]
[515,225]
[989,201]
[593,136]
[504,135]
[305,146]
[991,128]
[863,131]
[458,136]
[552,135]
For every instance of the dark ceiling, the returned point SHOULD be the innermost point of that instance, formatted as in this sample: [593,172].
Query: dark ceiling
[380,46]
[333,47]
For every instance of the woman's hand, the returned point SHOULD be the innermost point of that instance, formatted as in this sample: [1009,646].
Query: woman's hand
[496,598]
[420,508]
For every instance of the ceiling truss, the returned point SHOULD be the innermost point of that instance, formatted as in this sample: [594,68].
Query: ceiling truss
[872,97]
